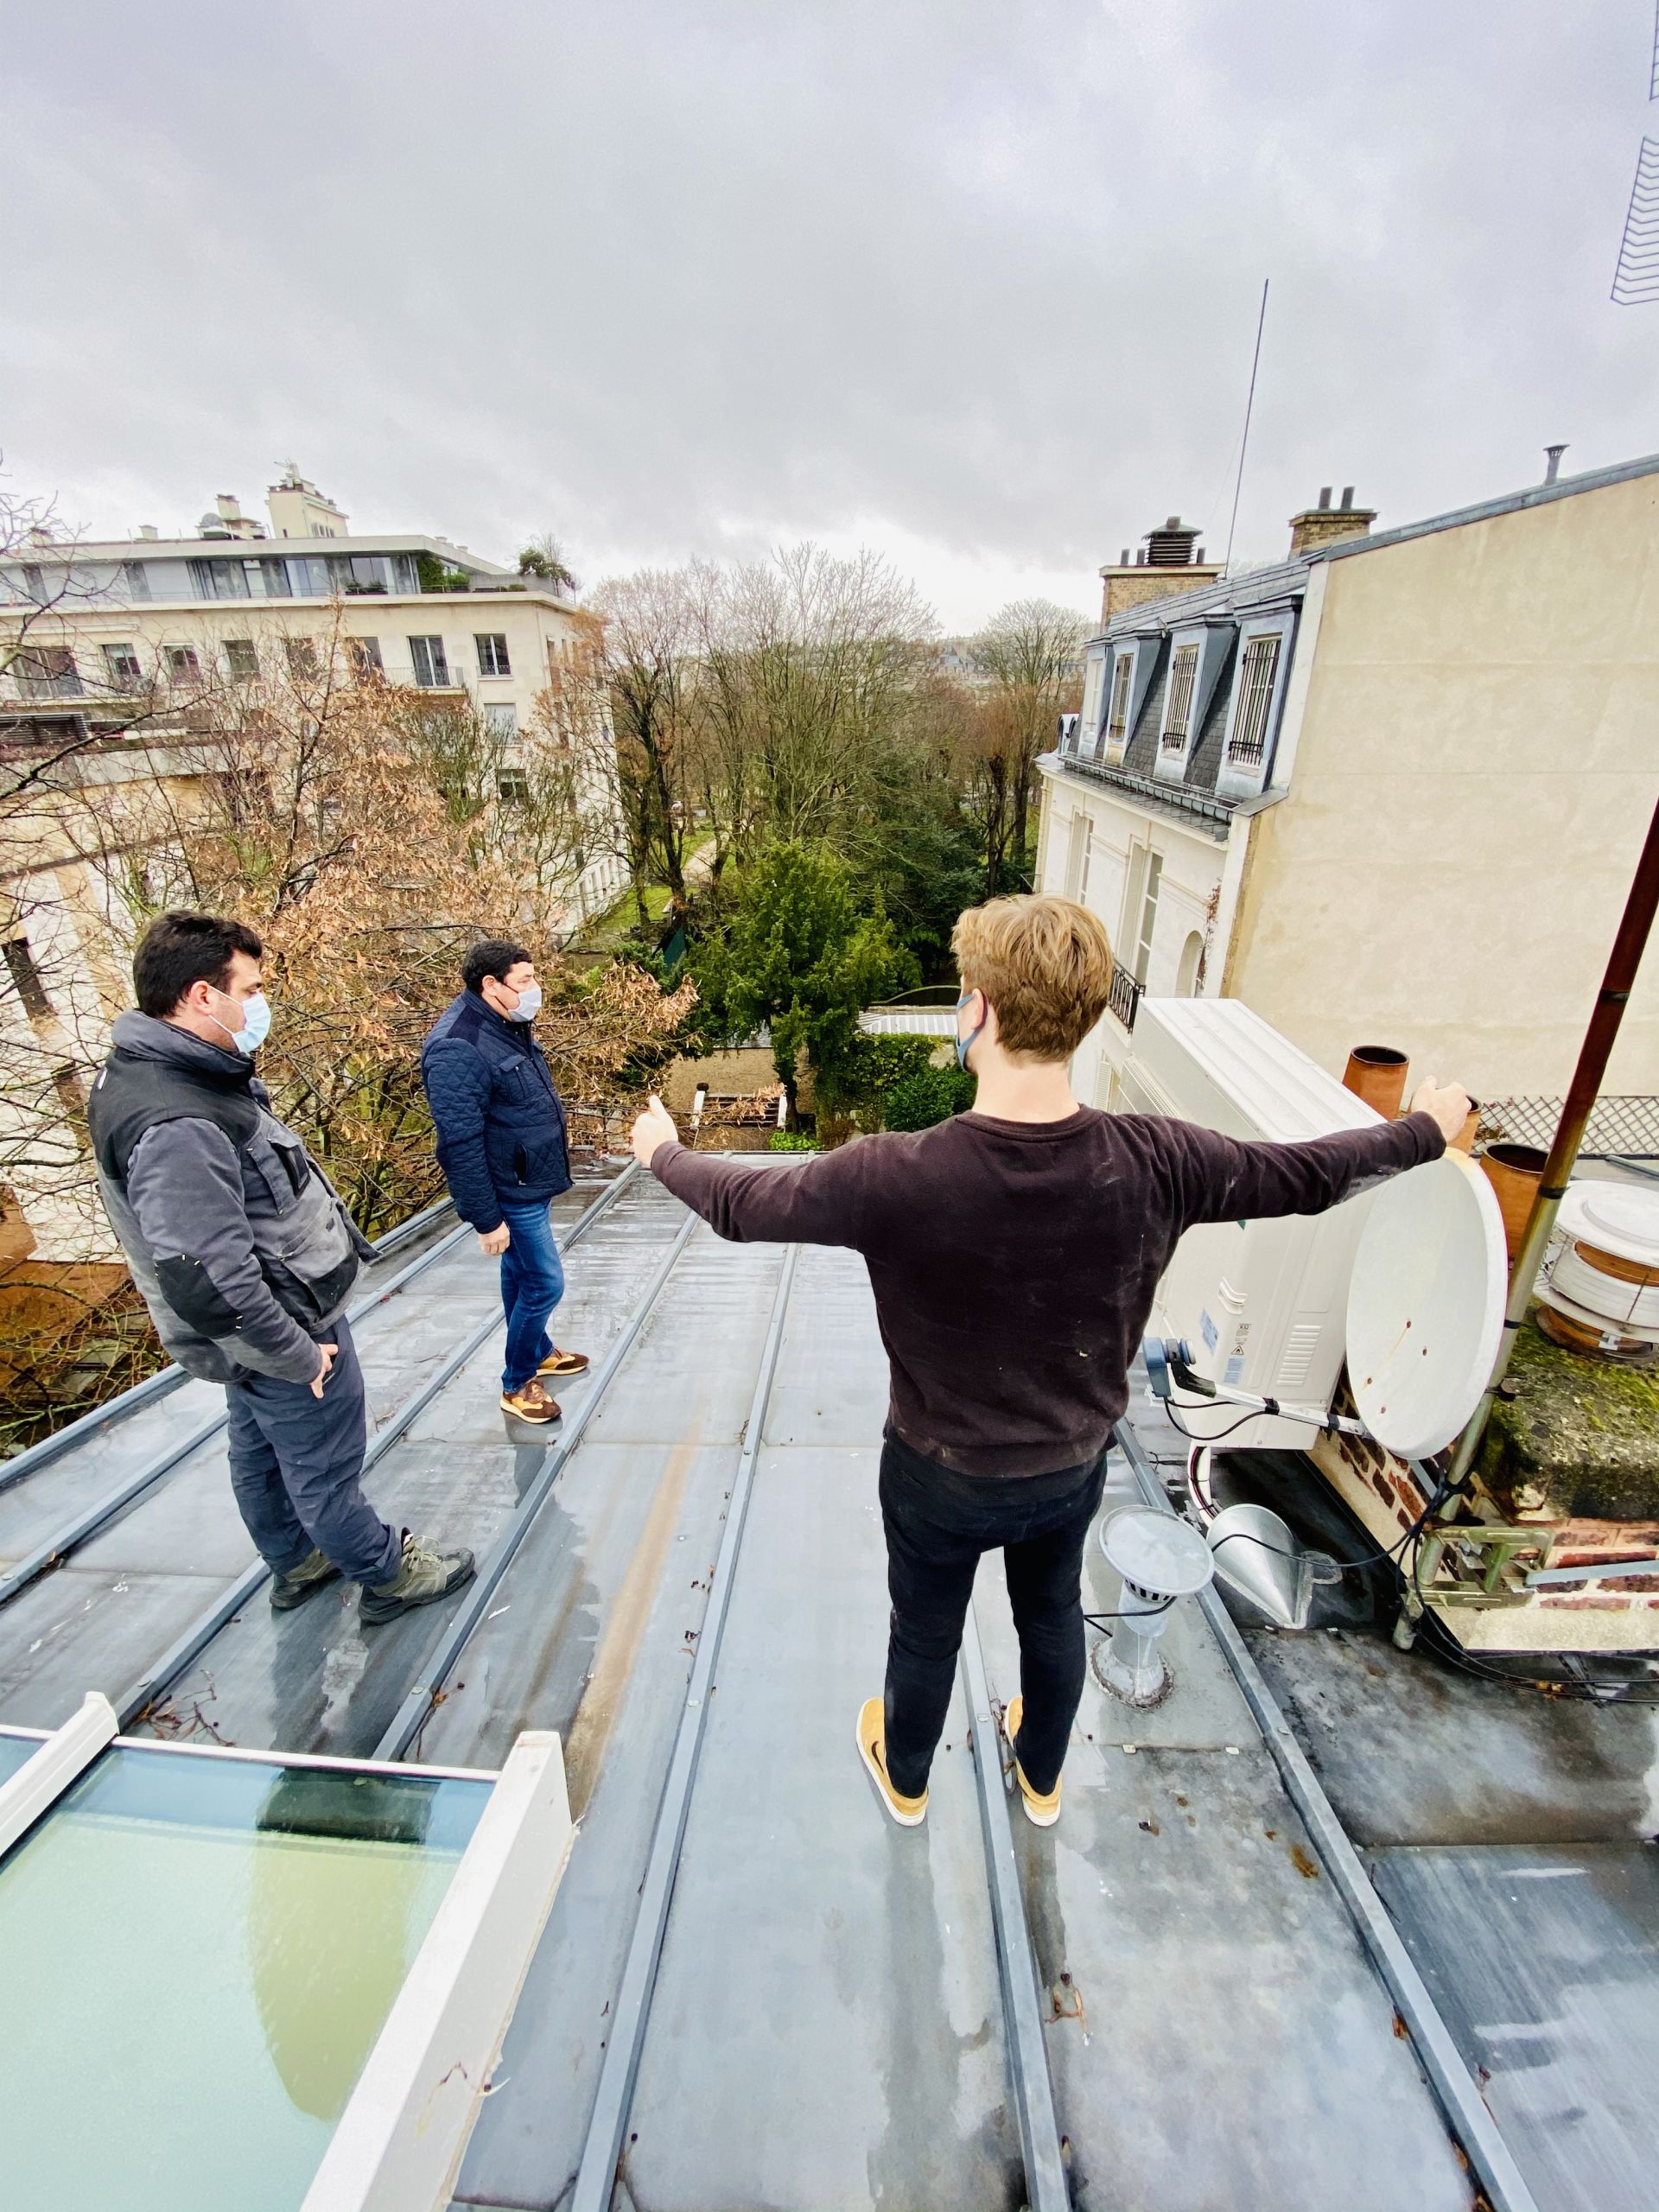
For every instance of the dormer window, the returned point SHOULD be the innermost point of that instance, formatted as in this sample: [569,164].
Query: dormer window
[1177,700]
[1253,715]
[1258,667]
[1117,716]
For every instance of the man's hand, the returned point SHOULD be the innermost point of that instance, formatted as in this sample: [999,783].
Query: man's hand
[1443,1102]
[653,1127]
[494,1242]
[327,1353]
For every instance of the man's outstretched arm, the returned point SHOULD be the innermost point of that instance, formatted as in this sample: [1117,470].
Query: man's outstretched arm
[816,1203]
[1217,1178]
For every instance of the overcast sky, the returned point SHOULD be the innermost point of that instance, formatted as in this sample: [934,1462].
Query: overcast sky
[974,284]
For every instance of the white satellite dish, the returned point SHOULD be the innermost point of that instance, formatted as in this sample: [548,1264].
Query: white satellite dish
[1425,1304]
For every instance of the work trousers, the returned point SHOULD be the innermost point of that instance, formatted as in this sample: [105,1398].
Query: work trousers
[937,1524]
[532,1283]
[297,1464]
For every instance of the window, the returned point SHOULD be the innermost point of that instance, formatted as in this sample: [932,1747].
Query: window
[1186,979]
[1118,720]
[1256,670]
[514,786]
[25,976]
[134,578]
[1076,857]
[501,721]
[34,584]
[1090,720]
[431,668]
[182,666]
[241,658]
[72,1097]
[363,654]
[274,575]
[368,573]
[122,670]
[492,656]
[1178,704]
[1149,916]
[47,672]
[218,579]
[301,654]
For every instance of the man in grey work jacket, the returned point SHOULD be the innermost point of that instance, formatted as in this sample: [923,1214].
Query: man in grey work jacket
[246,1257]
[501,1145]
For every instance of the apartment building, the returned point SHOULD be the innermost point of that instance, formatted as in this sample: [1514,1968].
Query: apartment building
[112,648]
[103,620]
[1390,790]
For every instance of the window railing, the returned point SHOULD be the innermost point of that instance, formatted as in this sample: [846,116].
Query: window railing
[1123,997]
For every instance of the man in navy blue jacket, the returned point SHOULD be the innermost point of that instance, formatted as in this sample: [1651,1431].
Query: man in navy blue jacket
[501,1146]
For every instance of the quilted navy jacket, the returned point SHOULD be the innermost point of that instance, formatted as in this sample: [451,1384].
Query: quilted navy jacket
[498,1116]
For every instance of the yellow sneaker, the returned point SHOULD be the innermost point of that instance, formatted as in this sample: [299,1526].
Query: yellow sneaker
[532,1403]
[1042,1811]
[909,1812]
[563,1364]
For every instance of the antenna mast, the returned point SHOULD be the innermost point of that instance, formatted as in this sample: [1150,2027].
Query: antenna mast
[1245,443]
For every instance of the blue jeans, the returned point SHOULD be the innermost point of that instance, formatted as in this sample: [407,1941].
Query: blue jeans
[296,1468]
[532,1283]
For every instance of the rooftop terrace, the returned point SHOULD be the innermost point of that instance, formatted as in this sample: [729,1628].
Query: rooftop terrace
[1325,1924]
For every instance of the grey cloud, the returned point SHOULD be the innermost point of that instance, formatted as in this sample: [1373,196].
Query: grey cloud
[980,280]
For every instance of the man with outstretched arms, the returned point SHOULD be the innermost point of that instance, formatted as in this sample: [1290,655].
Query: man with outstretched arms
[1013,1251]
[246,1257]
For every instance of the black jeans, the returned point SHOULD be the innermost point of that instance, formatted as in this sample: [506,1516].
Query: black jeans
[937,1524]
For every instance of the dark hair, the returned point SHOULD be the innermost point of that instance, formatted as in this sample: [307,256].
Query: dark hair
[492,956]
[179,949]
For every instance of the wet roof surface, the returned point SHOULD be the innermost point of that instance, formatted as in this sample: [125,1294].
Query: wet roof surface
[828,2025]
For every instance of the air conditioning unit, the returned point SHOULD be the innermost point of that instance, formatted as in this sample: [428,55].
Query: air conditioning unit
[1261,1303]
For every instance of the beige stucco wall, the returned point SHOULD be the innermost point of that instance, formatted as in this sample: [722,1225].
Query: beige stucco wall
[1476,769]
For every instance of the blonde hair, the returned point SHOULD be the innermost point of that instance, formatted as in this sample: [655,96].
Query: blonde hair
[1045,965]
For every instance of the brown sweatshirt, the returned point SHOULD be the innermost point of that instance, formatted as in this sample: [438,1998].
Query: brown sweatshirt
[1013,1262]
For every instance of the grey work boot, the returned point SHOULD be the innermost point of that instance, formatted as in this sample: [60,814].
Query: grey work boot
[293,1588]
[426,1573]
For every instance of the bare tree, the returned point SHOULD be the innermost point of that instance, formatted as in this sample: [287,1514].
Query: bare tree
[366,841]
[1030,654]
[644,652]
[810,664]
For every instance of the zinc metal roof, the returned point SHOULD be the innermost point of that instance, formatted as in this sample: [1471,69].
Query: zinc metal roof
[831,2022]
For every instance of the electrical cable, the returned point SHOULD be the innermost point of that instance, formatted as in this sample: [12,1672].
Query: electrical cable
[1446,1648]
[1445,1644]
[1191,1437]
[1145,1613]
[1371,1559]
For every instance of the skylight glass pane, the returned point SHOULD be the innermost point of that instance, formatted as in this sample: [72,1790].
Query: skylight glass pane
[197,1955]
[14,1750]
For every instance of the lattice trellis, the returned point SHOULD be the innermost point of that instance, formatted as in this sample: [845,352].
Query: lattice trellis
[1625,1128]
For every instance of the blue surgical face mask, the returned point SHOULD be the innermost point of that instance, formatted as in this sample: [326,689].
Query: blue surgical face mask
[965,1044]
[529,1004]
[255,1023]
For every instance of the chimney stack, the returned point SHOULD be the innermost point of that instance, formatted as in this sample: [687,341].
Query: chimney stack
[1163,564]
[1324,524]
[1553,462]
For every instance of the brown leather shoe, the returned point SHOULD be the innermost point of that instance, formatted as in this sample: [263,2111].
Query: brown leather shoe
[532,1403]
[564,1364]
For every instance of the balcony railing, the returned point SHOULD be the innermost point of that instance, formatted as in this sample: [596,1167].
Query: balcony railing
[1123,997]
